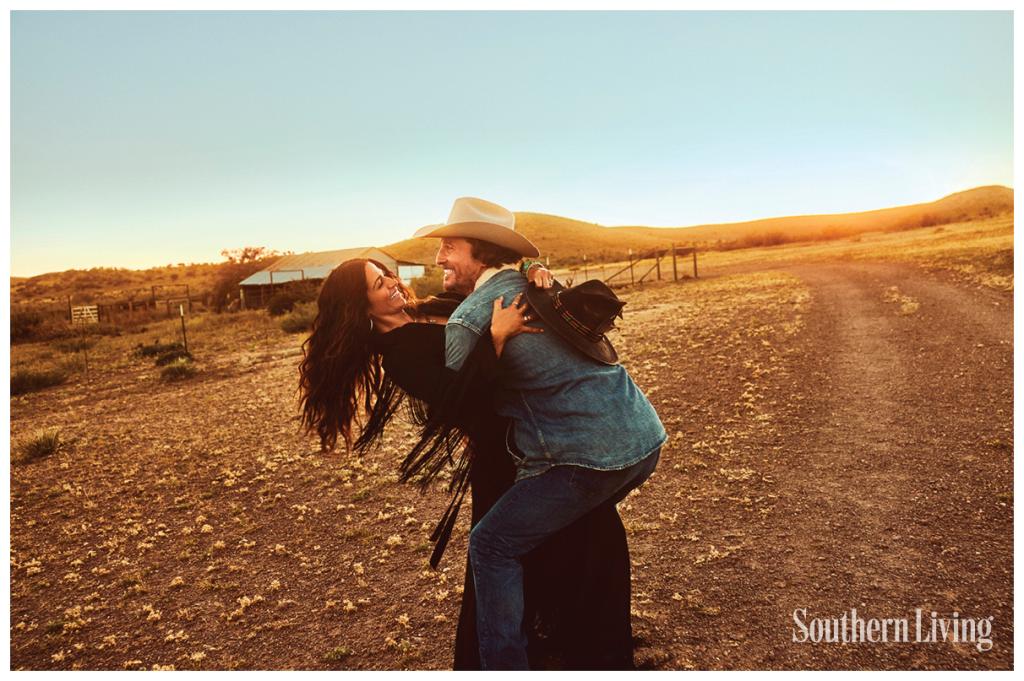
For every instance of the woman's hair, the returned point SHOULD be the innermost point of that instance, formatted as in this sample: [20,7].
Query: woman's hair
[340,377]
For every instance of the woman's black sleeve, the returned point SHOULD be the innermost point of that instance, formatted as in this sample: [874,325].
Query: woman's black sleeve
[423,375]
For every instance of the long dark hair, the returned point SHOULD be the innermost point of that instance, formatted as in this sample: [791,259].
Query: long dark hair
[341,380]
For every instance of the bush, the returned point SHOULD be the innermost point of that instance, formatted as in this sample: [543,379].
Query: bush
[280,303]
[300,319]
[240,264]
[30,380]
[172,356]
[39,446]
[76,344]
[157,348]
[24,324]
[334,655]
[178,370]
[30,325]
[301,291]
[430,284]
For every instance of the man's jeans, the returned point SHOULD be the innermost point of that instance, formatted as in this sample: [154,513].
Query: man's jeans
[532,510]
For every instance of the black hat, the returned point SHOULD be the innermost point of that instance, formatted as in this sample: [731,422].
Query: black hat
[581,315]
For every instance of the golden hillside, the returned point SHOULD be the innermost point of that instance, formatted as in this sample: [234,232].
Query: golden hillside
[101,284]
[565,240]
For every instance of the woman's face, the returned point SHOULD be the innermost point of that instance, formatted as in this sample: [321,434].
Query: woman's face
[383,292]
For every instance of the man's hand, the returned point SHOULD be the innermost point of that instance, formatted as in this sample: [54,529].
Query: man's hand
[540,276]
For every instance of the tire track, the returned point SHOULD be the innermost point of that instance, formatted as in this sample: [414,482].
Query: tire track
[886,502]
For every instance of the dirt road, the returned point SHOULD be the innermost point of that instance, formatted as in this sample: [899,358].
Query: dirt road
[893,475]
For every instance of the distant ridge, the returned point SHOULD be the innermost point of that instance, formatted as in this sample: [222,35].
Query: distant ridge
[565,240]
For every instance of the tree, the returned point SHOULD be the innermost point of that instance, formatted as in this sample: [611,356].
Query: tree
[248,254]
[240,263]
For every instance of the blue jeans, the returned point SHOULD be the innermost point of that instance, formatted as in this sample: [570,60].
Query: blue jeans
[532,510]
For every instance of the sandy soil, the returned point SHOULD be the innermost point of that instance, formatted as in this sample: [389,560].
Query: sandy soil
[840,437]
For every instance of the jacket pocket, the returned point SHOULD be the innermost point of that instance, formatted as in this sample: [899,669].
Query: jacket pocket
[510,444]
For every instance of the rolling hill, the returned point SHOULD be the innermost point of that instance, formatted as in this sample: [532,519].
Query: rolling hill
[565,240]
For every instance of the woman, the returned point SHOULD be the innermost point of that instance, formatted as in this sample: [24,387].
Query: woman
[372,343]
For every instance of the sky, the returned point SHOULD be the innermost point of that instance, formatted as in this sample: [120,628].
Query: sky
[140,139]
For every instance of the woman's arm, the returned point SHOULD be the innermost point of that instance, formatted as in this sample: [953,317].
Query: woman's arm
[510,321]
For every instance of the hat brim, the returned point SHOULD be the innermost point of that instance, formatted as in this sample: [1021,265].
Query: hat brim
[485,231]
[542,302]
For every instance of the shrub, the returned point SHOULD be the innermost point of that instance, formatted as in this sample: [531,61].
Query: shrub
[300,319]
[30,325]
[74,363]
[76,344]
[240,264]
[157,348]
[178,370]
[103,329]
[336,654]
[39,446]
[172,356]
[305,290]
[280,303]
[430,284]
[24,324]
[30,380]
[301,291]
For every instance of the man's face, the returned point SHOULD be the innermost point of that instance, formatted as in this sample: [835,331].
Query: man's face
[461,269]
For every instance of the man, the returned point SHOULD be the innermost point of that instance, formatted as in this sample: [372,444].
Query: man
[584,434]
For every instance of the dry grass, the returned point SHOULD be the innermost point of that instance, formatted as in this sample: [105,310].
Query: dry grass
[38,446]
[980,251]
[30,379]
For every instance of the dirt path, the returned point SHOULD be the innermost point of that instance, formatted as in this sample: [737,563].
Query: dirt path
[893,475]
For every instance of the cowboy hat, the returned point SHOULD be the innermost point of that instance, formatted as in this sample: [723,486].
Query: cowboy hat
[474,218]
[581,315]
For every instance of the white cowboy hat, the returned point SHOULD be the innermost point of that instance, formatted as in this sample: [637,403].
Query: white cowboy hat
[478,219]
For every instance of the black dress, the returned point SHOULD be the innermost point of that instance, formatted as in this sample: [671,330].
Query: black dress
[577,584]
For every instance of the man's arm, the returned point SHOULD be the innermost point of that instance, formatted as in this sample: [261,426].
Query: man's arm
[459,341]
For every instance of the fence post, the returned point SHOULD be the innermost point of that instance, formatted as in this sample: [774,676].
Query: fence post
[632,282]
[675,271]
[657,263]
[585,277]
[695,263]
[85,348]
[184,338]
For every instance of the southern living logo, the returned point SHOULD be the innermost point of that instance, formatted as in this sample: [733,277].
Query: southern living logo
[854,629]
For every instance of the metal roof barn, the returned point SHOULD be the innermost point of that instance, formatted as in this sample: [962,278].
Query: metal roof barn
[315,266]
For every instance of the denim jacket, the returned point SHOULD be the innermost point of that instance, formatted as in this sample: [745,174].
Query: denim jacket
[566,407]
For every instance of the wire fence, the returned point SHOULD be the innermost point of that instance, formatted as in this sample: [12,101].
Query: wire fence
[672,264]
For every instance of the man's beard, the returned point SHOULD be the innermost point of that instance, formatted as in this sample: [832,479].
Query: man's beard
[462,285]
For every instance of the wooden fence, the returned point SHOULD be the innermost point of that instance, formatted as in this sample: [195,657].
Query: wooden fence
[162,300]
[639,267]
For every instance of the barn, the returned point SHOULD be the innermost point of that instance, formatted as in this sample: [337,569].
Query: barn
[256,289]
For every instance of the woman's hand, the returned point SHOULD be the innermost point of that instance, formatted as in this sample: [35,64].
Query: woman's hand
[510,321]
[539,275]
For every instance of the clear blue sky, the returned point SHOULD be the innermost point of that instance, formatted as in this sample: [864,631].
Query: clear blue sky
[148,138]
